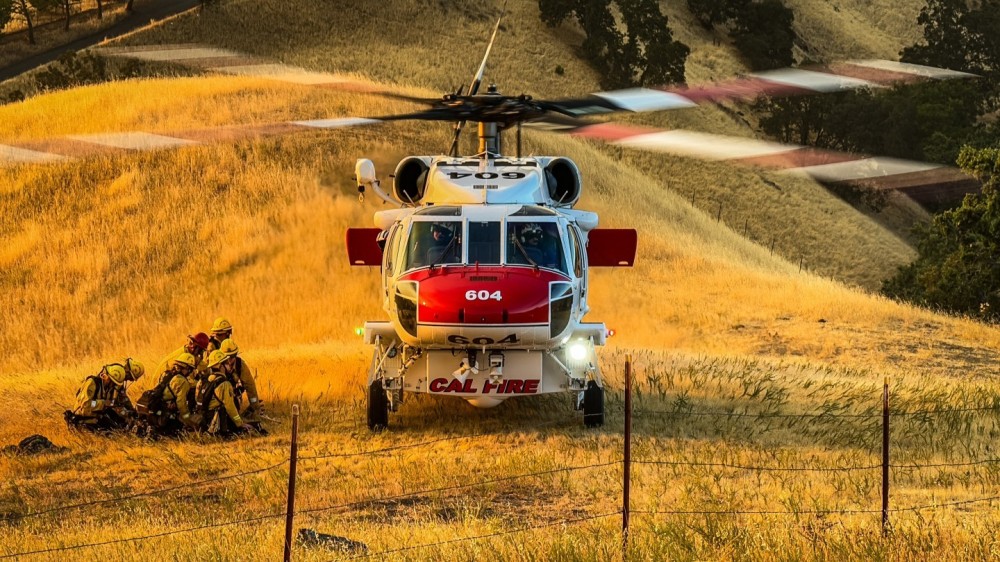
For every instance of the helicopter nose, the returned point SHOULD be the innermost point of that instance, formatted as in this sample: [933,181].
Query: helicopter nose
[497,297]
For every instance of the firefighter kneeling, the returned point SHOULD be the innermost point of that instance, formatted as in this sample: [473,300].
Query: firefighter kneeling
[217,402]
[244,384]
[165,409]
[100,403]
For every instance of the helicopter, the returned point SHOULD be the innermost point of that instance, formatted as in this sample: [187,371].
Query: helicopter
[484,258]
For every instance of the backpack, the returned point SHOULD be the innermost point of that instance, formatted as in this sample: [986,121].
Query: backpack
[151,402]
[206,392]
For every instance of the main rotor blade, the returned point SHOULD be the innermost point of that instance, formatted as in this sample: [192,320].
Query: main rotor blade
[474,88]
[838,77]
[235,63]
[920,180]
[69,148]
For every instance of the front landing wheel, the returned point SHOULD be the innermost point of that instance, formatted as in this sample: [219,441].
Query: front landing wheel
[378,407]
[593,405]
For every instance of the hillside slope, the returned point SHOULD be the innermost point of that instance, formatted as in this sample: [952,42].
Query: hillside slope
[128,254]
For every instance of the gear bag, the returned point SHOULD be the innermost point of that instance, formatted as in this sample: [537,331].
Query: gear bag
[151,403]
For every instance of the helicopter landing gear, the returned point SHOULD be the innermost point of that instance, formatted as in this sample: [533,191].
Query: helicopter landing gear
[593,405]
[378,406]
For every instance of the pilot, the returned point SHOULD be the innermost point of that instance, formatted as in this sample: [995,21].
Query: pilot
[441,247]
[535,246]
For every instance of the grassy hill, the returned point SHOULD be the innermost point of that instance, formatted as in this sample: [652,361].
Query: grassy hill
[128,254]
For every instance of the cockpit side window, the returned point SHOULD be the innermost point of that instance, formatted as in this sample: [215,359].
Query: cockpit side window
[578,252]
[484,243]
[434,243]
[390,250]
[535,244]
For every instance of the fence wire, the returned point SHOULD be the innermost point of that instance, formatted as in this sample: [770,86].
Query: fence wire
[916,508]
[813,415]
[359,503]
[158,492]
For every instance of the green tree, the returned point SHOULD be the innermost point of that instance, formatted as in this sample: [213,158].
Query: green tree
[6,12]
[761,29]
[657,57]
[763,34]
[26,9]
[710,13]
[645,53]
[963,36]
[958,266]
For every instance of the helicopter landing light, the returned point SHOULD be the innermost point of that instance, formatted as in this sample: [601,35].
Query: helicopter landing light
[578,351]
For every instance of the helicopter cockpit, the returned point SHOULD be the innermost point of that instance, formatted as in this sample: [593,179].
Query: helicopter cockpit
[526,236]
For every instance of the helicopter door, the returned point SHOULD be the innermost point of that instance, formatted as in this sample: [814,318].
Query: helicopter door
[362,246]
[612,247]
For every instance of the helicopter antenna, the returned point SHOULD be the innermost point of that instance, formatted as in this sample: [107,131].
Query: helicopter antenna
[478,79]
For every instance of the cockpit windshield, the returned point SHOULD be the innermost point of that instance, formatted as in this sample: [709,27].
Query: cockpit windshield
[434,243]
[535,244]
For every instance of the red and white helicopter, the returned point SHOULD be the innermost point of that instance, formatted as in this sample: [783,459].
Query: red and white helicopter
[484,279]
[483,258]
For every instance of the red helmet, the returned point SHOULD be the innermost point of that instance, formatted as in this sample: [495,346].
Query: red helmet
[200,339]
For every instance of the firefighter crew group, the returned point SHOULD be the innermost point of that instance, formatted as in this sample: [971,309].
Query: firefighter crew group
[205,386]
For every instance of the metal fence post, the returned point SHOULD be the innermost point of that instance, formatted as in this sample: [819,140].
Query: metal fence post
[293,456]
[885,457]
[627,459]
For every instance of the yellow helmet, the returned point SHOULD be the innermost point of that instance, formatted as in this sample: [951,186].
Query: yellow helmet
[216,358]
[221,325]
[186,360]
[229,347]
[134,369]
[116,373]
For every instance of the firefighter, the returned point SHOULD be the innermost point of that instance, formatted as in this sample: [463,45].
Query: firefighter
[133,372]
[197,346]
[217,400]
[245,384]
[166,408]
[222,330]
[97,402]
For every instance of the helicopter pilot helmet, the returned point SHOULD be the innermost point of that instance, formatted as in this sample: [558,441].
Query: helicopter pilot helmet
[531,231]
[446,233]
[438,227]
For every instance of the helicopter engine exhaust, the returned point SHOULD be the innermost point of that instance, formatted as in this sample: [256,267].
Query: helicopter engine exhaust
[410,179]
[564,182]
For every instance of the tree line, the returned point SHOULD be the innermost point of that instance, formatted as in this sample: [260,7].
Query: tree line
[28,11]
[953,122]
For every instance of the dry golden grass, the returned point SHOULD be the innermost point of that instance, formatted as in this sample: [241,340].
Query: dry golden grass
[127,255]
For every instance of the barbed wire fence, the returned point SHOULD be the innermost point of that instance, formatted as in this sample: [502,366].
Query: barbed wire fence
[623,464]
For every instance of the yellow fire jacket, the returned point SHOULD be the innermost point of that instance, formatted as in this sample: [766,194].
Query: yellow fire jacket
[95,397]
[246,378]
[224,397]
[176,392]
[199,372]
